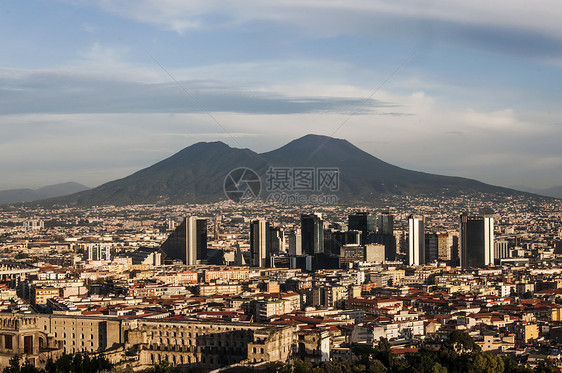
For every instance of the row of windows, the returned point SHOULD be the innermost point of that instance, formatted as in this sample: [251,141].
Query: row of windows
[154,358]
[188,342]
[156,334]
[72,335]
[202,327]
[72,322]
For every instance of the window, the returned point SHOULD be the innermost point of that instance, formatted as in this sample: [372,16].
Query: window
[8,342]
[28,344]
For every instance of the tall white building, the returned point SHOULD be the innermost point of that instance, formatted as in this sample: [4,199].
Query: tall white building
[416,240]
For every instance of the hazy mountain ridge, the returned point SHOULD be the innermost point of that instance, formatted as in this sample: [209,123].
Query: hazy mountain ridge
[49,191]
[555,191]
[196,175]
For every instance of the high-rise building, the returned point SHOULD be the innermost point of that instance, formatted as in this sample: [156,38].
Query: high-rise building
[416,240]
[384,235]
[385,223]
[334,240]
[260,243]
[312,234]
[294,242]
[444,247]
[277,238]
[389,242]
[431,247]
[364,222]
[216,227]
[477,240]
[188,242]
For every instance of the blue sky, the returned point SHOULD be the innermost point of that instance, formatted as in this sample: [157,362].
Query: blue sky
[88,91]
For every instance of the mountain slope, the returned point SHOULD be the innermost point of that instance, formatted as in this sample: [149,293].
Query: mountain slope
[50,191]
[363,175]
[196,174]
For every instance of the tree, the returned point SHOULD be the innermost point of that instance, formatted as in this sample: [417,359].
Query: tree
[14,366]
[463,341]
[488,363]
[377,366]
[162,367]
[546,366]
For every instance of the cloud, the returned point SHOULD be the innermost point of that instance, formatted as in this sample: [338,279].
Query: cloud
[502,26]
[93,148]
[104,82]
[100,53]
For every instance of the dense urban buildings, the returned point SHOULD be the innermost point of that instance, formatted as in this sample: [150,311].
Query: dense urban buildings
[263,284]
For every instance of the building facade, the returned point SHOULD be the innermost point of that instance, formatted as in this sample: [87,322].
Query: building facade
[416,240]
[477,240]
[188,242]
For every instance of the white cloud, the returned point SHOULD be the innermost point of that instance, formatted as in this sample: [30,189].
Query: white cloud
[335,16]
[434,138]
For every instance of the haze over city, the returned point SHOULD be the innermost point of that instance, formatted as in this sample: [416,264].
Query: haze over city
[93,91]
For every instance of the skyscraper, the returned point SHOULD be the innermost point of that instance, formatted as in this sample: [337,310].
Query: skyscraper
[295,243]
[444,246]
[363,222]
[384,235]
[477,240]
[416,240]
[385,223]
[277,238]
[188,242]
[260,243]
[431,247]
[312,234]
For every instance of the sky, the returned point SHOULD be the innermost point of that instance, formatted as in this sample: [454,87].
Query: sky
[92,91]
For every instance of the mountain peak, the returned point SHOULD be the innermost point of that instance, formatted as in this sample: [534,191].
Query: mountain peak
[317,140]
[197,173]
[318,149]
